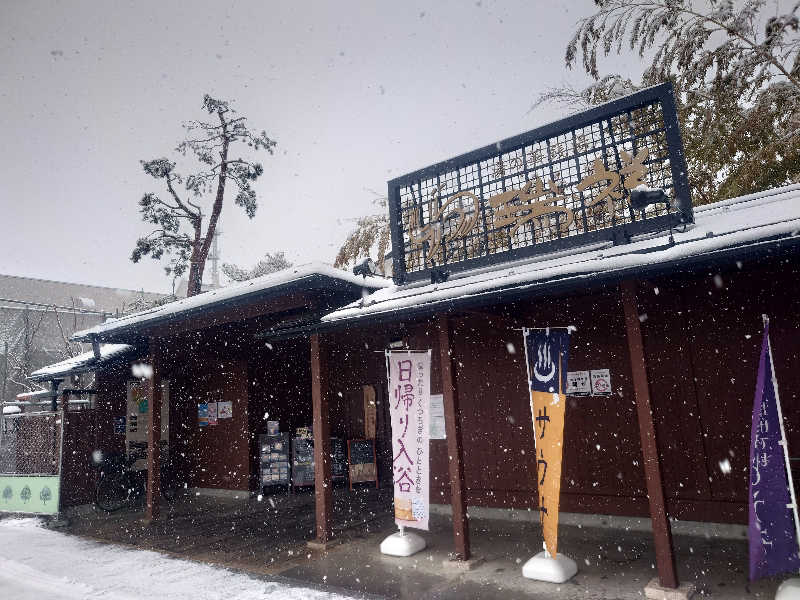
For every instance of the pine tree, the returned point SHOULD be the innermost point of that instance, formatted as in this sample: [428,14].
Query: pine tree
[212,145]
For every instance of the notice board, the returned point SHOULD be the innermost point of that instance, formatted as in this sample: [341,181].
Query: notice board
[302,461]
[338,459]
[274,459]
[137,421]
[361,456]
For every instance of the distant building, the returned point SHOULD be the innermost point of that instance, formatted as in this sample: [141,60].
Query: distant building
[38,316]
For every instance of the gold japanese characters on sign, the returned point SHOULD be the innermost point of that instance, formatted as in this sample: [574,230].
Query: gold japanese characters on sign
[432,233]
[455,218]
[563,185]
[633,171]
[514,208]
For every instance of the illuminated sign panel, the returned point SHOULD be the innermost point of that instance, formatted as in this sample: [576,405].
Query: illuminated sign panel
[563,185]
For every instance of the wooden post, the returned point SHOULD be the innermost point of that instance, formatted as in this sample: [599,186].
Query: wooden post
[54,391]
[154,435]
[662,533]
[455,448]
[62,434]
[323,484]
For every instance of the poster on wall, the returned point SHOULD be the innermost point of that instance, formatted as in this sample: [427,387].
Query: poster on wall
[120,425]
[409,408]
[578,383]
[546,353]
[302,461]
[139,394]
[212,413]
[437,417]
[601,382]
[202,414]
[225,410]
[137,420]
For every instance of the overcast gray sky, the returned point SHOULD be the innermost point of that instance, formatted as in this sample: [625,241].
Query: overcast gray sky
[355,93]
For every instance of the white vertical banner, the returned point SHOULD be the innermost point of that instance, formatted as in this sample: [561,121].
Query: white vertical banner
[409,407]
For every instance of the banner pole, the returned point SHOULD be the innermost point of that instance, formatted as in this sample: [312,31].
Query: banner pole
[387,354]
[525,331]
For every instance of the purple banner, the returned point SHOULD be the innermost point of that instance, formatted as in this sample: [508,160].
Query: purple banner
[772,530]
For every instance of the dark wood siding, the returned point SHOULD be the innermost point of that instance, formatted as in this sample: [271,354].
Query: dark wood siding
[702,334]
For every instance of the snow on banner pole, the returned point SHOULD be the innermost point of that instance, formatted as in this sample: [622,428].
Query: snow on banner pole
[546,355]
[409,410]
[773,527]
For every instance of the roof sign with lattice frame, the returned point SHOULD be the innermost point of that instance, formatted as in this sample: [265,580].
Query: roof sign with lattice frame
[561,186]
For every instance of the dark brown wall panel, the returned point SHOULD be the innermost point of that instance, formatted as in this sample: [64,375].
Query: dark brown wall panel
[723,313]
[495,402]
[214,456]
[280,390]
[702,334]
[676,409]
[89,430]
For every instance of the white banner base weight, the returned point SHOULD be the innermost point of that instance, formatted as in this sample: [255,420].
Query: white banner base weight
[402,543]
[544,567]
[789,590]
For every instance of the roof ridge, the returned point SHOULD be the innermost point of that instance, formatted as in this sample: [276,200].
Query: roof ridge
[776,191]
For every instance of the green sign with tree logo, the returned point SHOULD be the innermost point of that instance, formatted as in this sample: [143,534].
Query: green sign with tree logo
[29,494]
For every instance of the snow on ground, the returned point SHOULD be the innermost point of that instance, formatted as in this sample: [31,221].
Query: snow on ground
[37,563]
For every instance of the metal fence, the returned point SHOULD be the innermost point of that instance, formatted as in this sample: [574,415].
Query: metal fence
[30,443]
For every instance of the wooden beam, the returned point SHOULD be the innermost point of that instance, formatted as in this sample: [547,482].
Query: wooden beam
[154,435]
[455,447]
[323,484]
[54,389]
[62,434]
[662,533]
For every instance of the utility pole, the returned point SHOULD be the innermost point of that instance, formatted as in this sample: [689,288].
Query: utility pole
[214,256]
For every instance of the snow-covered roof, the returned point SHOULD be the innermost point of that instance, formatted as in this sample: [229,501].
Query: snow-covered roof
[81,363]
[747,221]
[250,289]
[34,395]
